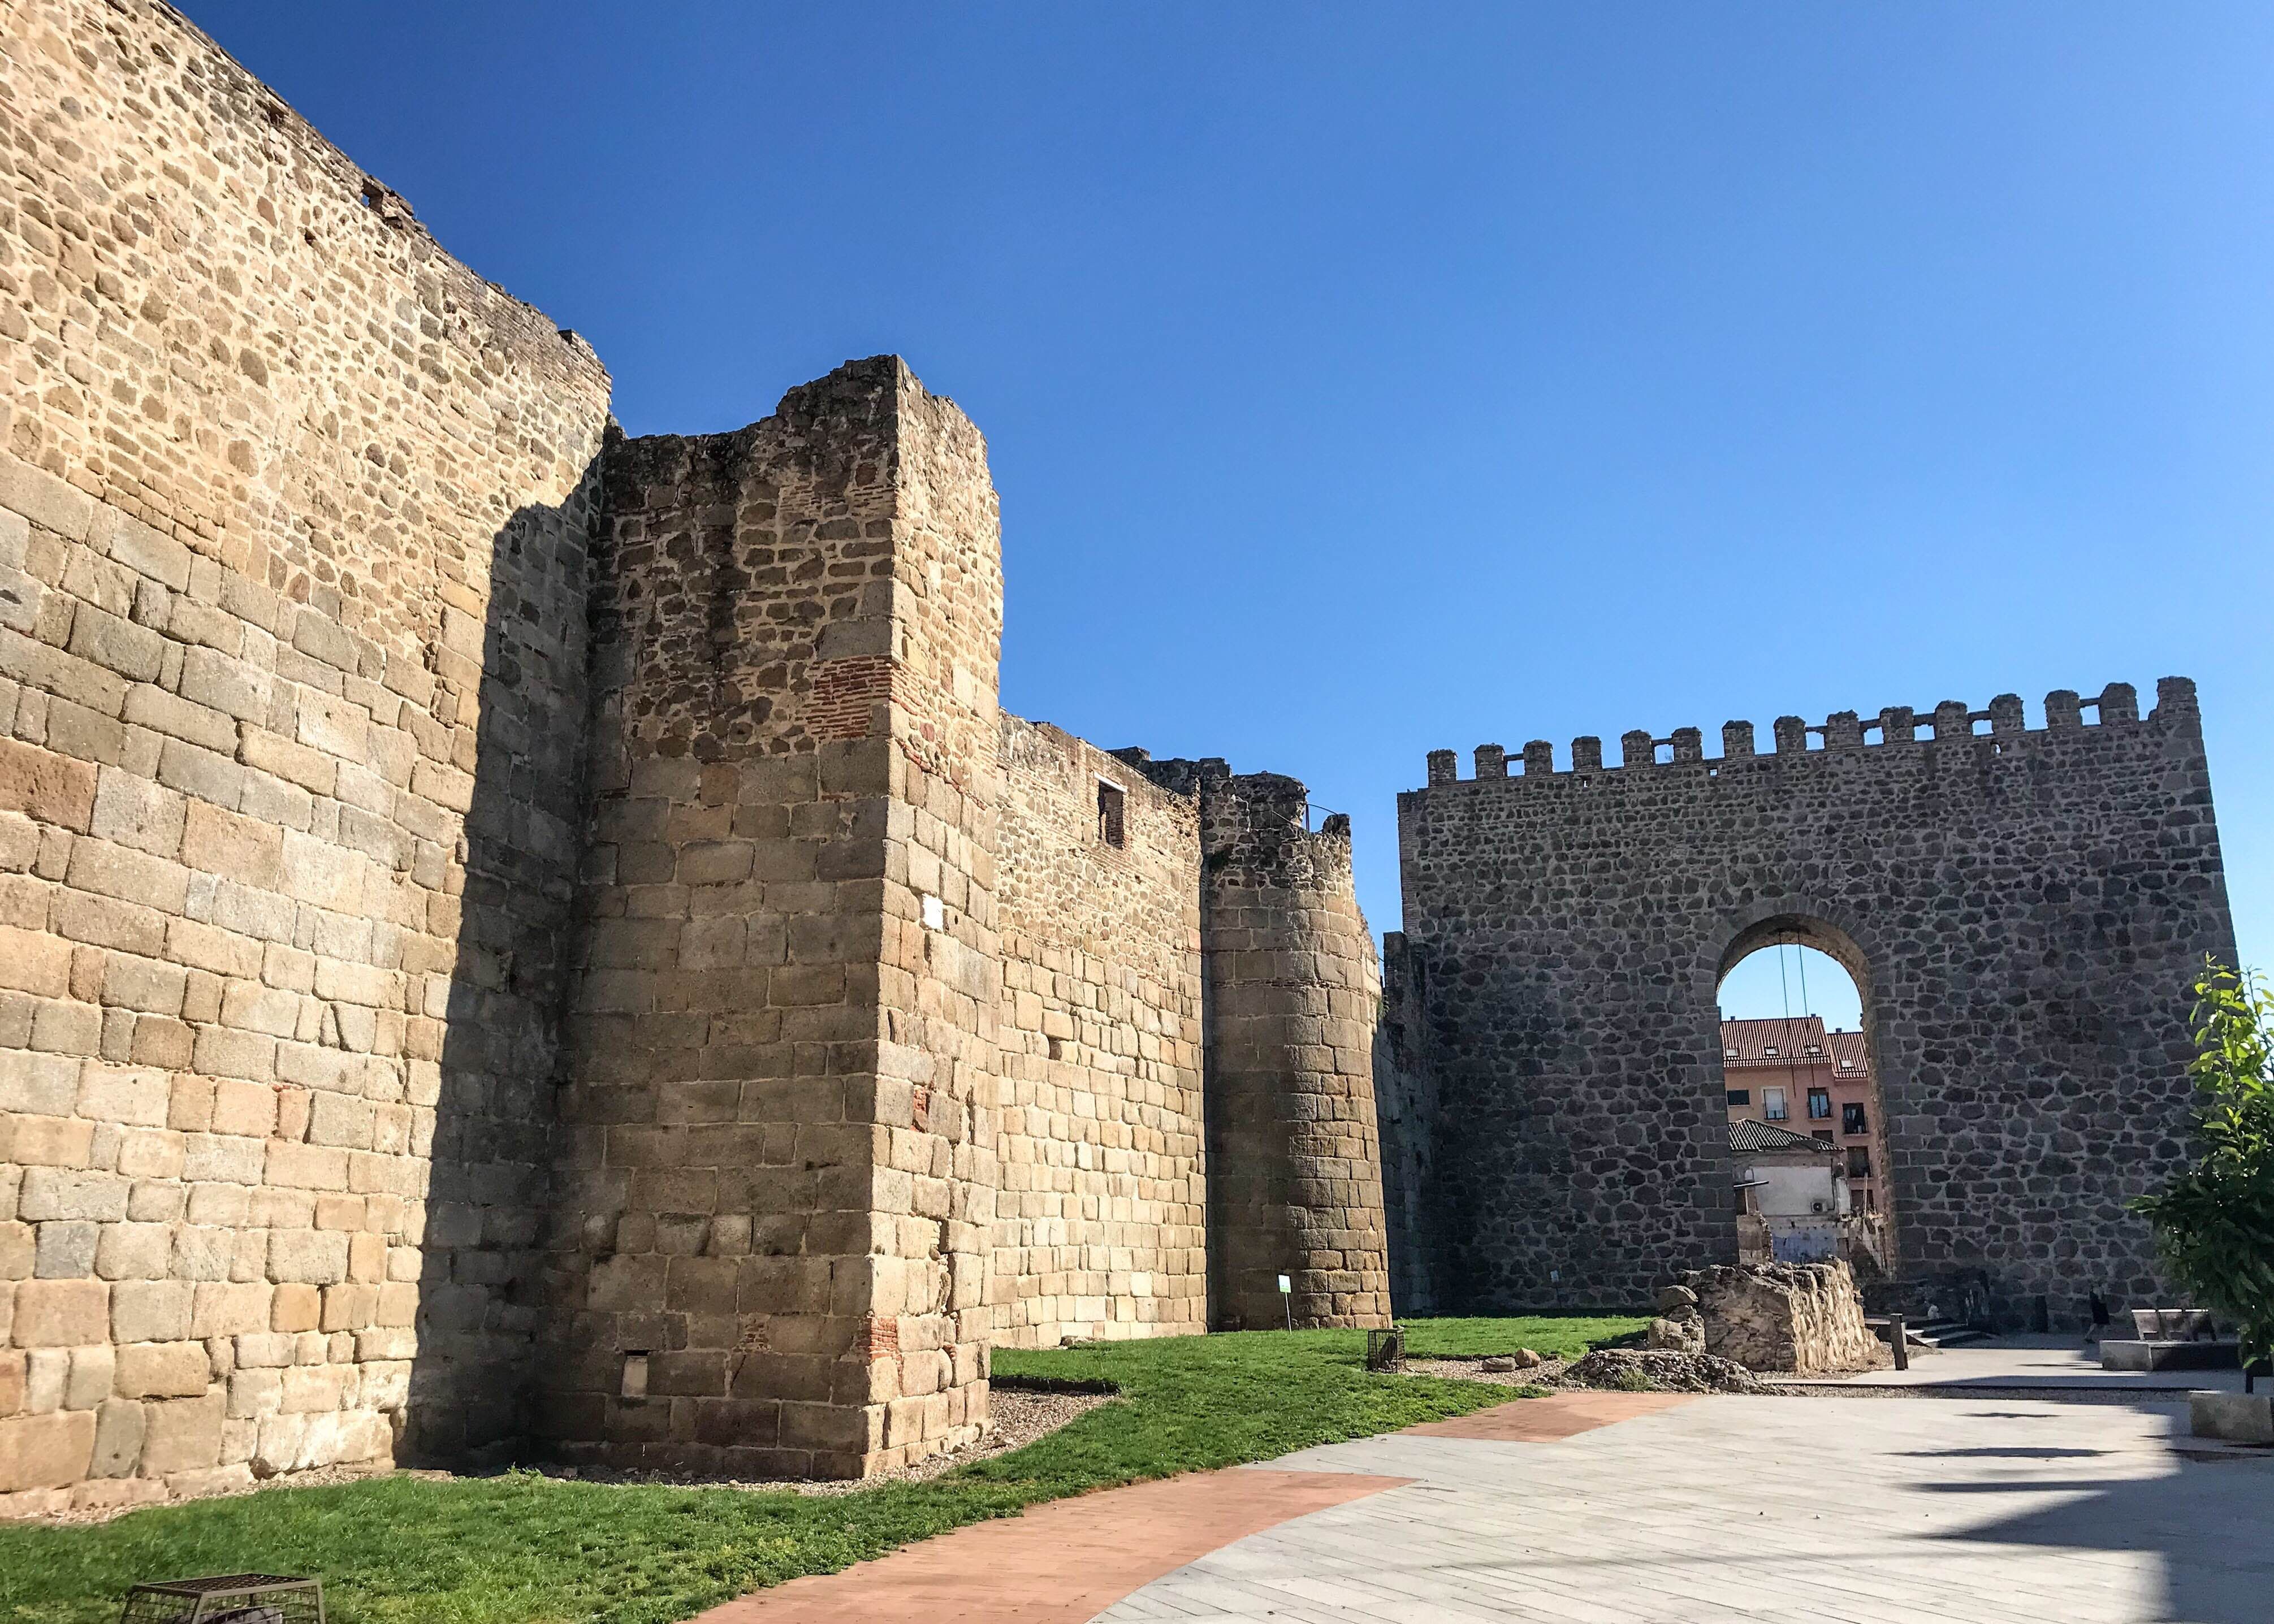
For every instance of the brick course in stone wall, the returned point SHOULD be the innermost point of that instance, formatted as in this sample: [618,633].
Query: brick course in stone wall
[2024,912]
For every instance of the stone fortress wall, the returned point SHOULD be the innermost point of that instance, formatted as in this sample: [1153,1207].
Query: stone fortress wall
[293,517]
[515,937]
[2023,910]
[1101,1212]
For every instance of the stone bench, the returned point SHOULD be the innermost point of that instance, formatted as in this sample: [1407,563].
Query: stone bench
[2170,1325]
[2157,1354]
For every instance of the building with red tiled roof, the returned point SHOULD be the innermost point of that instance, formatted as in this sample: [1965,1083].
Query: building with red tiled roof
[1793,1073]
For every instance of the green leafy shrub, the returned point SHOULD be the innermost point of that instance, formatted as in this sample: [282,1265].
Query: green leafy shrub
[2215,1222]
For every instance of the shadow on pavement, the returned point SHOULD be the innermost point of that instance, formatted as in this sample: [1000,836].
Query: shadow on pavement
[2207,1524]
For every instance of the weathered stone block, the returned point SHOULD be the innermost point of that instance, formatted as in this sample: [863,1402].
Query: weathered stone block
[162,1370]
[69,1192]
[45,1452]
[120,1427]
[1805,1318]
[181,1435]
[66,1251]
[50,787]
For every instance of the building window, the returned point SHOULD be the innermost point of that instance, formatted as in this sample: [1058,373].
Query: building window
[1820,1104]
[1109,801]
[1859,1161]
[1816,1049]
[1740,1096]
[1728,1054]
[1773,1104]
[1847,1065]
[1822,1136]
[1770,1051]
[1851,1118]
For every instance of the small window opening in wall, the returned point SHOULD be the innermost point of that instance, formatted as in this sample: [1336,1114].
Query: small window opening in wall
[1740,1096]
[635,1375]
[1662,754]
[934,913]
[1770,1052]
[1981,726]
[1109,802]
[1058,1048]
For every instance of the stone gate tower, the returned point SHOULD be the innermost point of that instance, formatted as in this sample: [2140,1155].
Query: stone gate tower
[2023,910]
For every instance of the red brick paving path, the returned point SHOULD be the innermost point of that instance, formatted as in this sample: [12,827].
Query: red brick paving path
[1543,1420]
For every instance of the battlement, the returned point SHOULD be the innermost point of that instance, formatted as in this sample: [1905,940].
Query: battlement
[2117,705]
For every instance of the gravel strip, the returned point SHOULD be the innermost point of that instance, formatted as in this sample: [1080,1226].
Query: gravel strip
[1540,1375]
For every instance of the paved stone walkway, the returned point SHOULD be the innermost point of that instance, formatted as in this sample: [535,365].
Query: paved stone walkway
[1633,1508]
[1768,1511]
[1057,1563]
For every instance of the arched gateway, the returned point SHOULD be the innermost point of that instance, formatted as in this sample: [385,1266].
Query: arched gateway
[2023,912]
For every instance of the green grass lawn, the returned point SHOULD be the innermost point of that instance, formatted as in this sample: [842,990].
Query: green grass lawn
[524,1549]
[1556,1338]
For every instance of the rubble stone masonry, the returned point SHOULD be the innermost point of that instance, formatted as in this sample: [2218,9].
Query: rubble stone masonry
[2025,911]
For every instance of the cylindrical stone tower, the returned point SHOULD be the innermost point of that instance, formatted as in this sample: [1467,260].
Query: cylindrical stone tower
[1292,987]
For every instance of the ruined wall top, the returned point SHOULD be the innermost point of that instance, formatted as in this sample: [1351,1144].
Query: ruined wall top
[2117,705]
[1256,826]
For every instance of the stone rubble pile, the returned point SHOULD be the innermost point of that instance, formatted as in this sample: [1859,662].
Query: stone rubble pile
[1635,1370]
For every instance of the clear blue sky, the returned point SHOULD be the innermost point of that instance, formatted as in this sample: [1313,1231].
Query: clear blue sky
[1363,379]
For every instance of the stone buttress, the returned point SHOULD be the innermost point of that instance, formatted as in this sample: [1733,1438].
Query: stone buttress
[777,1169]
